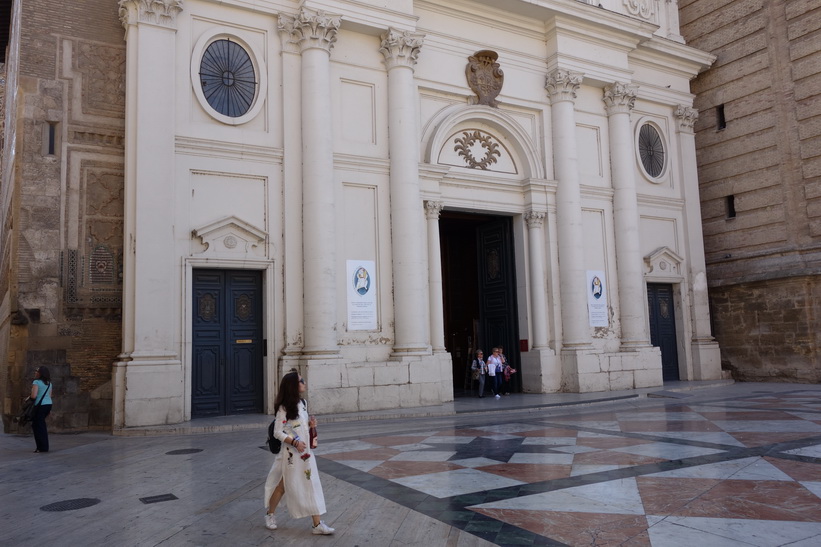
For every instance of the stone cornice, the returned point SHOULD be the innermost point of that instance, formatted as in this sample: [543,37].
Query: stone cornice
[310,29]
[157,12]
[401,48]
[561,84]
[619,97]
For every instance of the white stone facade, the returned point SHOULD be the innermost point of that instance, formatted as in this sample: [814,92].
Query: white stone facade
[362,131]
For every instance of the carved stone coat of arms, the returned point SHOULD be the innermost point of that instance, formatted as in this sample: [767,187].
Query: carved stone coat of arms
[485,76]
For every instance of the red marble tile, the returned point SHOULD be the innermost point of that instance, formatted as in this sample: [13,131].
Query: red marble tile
[529,472]
[757,500]
[751,438]
[394,469]
[548,432]
[609,442]
[661,426]
[667,496]
[606,457]
[371,454]
[752,415]
[599,529]
[396,440]
[800,471]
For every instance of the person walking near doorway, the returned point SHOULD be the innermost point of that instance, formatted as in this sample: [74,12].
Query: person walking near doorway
[479,368]
[494,371]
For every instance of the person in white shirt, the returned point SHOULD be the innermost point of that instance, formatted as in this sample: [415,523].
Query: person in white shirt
[494,368]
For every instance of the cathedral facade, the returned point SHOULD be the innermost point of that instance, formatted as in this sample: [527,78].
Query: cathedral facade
[366,191]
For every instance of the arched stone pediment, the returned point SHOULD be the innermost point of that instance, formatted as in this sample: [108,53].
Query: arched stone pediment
[230,236]
[482,138]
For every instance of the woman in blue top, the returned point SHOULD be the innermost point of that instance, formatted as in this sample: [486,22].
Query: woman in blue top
[41,395]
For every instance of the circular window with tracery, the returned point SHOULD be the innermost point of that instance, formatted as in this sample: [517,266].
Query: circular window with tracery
[651,150]
[228,78]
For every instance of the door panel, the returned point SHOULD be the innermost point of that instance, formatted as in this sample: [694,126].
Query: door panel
[227,343]
[663,327]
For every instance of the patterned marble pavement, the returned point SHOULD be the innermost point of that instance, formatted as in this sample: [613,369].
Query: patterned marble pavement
[732,472]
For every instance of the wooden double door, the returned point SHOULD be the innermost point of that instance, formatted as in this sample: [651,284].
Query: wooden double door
[228,346]
[660,304]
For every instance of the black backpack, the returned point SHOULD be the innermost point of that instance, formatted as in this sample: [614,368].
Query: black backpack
[274,444]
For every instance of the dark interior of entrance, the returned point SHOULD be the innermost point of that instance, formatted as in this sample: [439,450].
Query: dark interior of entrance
[479,291]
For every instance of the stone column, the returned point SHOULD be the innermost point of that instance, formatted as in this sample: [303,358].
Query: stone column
[151,271]
[315,33]
[706,357]
[618,99]
[410,273]
[538,286]
[437,312]
[561,87]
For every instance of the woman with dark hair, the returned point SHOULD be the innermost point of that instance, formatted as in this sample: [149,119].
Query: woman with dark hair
[41,395]
[294,473]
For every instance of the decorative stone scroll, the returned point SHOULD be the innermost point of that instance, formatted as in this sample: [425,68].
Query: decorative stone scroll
[401,48]
[470,142]
[619,97]
[686,117]
[561,84]
[485,77]
[158,12]
[645,9]
[310,29]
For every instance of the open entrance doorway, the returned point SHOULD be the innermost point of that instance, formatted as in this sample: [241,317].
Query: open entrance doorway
[479,291]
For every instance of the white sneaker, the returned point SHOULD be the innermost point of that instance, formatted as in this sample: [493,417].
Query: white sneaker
[322,529]
[497,396]
[270,521]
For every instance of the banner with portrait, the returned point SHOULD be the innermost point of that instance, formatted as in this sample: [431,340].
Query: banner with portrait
[361,283]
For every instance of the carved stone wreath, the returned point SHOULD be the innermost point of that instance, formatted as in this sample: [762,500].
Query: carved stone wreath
[465,143]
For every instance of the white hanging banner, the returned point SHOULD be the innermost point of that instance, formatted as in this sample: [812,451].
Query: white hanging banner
[361,282]
[597,299]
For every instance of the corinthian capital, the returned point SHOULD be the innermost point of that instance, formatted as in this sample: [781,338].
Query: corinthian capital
[686,117]
[561,84]
[401,48]
[619,97]
[310,29]
[157,12]
[534,219]
[432,209]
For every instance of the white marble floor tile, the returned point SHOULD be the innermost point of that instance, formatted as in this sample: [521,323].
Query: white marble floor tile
[344,446]
[667,451]
[756,469]
[501,437]
[563,441]
[555,459]
[619,497]
[442,439]
[362,465]
[429,456]
[660,416]
[456,482]
[606,425]
[509,428]
[575,449]
[411,447]
[709,532]
[812,451]
[475,462]
[768,426]
[814,487]
[586,469]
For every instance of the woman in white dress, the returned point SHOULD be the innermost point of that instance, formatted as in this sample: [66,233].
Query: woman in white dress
[294,473]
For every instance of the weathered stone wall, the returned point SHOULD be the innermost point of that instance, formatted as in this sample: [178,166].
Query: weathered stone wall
[766,164]
[64,292]
[770,330]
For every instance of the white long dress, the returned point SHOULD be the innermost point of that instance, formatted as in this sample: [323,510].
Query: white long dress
[303,491]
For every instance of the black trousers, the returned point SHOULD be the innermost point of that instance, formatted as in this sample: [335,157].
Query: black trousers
[38,426]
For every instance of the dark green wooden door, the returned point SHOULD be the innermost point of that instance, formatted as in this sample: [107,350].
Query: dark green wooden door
[663,327]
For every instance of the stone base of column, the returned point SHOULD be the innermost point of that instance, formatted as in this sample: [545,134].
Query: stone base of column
[706,357]
[148,390]
[541,371]
[341,386]
[400,352]
[589,371]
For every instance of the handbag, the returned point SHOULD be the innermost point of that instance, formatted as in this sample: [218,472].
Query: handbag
[27,412]
[274,444]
